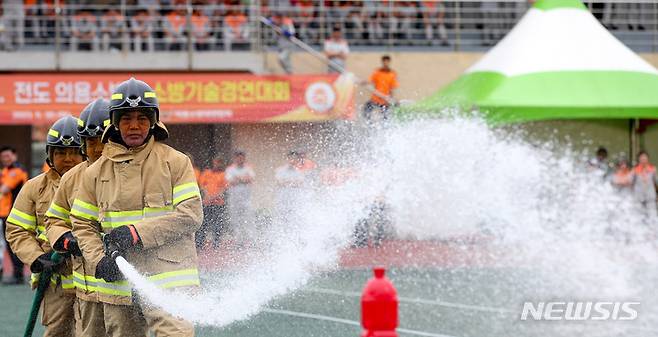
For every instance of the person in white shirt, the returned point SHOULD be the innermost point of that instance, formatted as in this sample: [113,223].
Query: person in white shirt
[240,178]
[336,49]
[290,181]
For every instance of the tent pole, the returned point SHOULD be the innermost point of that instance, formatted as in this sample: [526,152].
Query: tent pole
[633,126]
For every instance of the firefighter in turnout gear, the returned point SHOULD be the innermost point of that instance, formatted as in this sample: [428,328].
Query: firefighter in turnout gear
[143,197]
[26,228]
[93,120]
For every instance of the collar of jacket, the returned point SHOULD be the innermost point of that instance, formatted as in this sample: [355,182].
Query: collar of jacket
[53,176]
[119,153]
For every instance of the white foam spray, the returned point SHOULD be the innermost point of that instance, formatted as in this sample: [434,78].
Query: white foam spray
[443,178]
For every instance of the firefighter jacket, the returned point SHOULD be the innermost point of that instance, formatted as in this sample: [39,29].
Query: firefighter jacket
[58,223]
[25,229]
[152,187]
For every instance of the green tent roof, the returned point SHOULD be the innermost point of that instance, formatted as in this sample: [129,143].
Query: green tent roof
[555,64]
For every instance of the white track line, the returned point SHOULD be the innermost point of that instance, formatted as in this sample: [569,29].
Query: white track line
[417,300]
[347,321]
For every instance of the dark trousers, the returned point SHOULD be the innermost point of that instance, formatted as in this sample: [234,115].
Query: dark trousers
[214,220]
[16,262]
[373,111]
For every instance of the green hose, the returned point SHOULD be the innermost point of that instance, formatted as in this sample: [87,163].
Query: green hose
[44,281]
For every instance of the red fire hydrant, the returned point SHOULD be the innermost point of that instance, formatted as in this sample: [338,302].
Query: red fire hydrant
[379,307]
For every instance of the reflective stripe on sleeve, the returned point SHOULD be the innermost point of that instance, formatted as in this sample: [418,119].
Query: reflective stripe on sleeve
[59,212]
[84,210]
[28,222]
[121,218]
[186,191]
[177,278]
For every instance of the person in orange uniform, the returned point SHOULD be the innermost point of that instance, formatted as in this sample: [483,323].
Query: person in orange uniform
[213,185]
[385,81]
[25,228]
[12,179]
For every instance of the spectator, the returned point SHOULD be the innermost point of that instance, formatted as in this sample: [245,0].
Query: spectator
[236,29]
[305,11]
[84,27]
[600,164]
[385,82]
[5,34]
[374,15]
[375,227]
[336,50]
[201,30]
[433,19]
[11,180]
[289,182]
[402,20]
[113,27]
[240,177]
[644,185]
[151,6]
[492,22]
[304,164]
[622,179]
[355,24]
[174,29]
[14,13]
[44,26]
[284,45]
[213,185]
[141,30]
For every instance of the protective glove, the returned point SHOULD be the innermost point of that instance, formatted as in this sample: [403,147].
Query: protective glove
[108,270]
[68,243]
[123,238]
[43,263]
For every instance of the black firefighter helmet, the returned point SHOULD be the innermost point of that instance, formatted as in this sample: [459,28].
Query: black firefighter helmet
[94,118]
[134,95]
[64,133]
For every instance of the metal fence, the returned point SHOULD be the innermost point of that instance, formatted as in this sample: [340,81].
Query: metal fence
[218,25]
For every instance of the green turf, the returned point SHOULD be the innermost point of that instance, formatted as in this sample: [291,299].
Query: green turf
[452,302]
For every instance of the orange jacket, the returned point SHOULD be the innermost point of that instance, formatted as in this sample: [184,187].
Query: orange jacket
[14,177]
[384,81]
[214,185]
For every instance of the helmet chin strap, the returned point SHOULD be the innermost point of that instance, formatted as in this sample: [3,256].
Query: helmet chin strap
[51,165]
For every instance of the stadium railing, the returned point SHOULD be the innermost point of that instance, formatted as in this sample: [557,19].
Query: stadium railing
[447,25]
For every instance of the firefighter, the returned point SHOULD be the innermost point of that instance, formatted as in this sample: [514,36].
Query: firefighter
[143,197]
[91,125]
[26,227]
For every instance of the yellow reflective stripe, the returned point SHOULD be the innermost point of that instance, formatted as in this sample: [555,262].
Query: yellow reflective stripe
[177,278]
[186,191]
[42,237]
[152,212]
[168,274]
[67,281]
[117,96]
[84,210]
[41,230]
[26,221]
[56,211]
[53,133]
[81,122]
[149,94]
[122,218]
[116,219]
[79,281]
[106,122]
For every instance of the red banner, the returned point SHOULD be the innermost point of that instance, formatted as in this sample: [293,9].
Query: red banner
[183,97]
